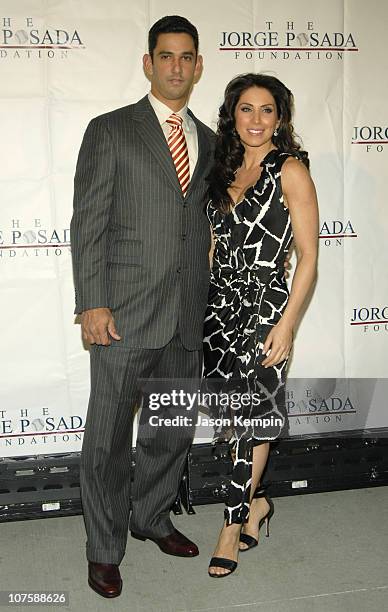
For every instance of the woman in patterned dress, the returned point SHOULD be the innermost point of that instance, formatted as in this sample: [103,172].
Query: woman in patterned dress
[262,198]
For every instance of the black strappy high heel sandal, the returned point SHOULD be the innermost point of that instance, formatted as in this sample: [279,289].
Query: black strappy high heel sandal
[228,564]
[248,540]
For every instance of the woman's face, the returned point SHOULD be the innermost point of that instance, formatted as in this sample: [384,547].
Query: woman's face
[256,117]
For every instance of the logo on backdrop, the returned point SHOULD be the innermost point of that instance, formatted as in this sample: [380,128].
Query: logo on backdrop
[288,40]
[37,427]
[333,232]
[33,240]
[335,404]
[29,38]
[371,137]
[370,319]
[324,403]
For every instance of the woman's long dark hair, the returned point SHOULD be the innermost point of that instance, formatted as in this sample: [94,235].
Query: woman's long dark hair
[229,151]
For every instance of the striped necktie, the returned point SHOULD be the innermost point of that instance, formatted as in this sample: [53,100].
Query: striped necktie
[178,147]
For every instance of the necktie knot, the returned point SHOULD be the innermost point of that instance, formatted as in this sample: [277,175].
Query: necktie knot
[175,121]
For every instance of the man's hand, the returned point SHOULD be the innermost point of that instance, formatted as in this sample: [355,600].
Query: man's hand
[98,326]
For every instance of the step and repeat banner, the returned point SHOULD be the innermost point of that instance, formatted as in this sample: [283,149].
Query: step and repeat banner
[63,62]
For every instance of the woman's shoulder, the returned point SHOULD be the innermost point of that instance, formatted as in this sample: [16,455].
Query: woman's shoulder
[210,208]
[291,157]
[293,164]
[295,174]
[276,159]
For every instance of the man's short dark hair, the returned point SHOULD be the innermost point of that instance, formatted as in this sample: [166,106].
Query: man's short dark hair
[171,24]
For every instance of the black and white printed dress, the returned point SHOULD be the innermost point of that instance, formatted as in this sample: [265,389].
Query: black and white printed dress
[248,294]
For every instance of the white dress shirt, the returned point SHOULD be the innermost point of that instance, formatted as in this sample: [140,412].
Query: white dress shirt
[163,112]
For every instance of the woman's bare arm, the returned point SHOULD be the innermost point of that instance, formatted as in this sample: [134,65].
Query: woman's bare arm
[301,199]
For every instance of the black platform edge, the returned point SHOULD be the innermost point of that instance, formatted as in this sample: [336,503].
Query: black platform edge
[42,486]
[297,465]
[39,486]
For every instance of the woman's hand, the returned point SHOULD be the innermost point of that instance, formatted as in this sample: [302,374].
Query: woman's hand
[279,343]
[287,265]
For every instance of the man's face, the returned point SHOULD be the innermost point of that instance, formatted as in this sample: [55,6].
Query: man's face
[173,69]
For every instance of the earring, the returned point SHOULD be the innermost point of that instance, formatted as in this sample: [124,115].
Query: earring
[276,132]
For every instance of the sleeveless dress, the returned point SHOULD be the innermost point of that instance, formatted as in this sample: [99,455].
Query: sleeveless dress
[248,294]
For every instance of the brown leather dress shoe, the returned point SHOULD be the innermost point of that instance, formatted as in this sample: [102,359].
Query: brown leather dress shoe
[174,544]
[105,579]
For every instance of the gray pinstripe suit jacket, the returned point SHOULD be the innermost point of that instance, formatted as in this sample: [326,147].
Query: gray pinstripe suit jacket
[139,247]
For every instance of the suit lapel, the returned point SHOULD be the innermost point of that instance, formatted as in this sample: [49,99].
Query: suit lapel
[203,155]
[150,131]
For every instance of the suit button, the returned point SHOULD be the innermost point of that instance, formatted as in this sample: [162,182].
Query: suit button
[178,270]
[184,236]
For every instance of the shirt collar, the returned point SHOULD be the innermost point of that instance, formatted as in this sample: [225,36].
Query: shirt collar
[163,112]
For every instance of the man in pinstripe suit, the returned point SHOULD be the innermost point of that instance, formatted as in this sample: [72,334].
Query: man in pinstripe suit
[140,257]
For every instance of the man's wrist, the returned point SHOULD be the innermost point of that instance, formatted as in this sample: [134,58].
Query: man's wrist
[95,308]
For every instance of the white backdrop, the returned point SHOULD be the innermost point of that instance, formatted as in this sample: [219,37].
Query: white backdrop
[63,62]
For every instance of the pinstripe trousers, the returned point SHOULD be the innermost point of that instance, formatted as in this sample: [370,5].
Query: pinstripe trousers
[105,459]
